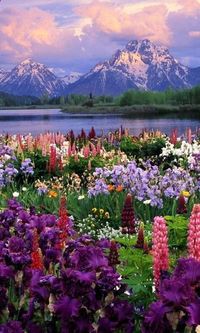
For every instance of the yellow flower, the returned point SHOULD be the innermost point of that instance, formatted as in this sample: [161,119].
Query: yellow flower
[94,210]
[107,215]
[185,194]
[101,211]
[52,194]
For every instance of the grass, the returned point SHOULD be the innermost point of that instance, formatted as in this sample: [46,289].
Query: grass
[134,110]
[112,109]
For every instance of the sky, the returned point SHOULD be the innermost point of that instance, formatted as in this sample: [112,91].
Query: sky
[74,35]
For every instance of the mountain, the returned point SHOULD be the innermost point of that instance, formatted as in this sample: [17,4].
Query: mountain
[2,74]
[32,79]
[140,65]
[72,77]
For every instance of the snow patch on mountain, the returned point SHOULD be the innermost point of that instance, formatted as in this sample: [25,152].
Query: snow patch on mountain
[140,65]
[3,73]
[33,79]
[72,77]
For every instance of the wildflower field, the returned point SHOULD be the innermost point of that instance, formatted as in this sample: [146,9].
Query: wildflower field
[100,234]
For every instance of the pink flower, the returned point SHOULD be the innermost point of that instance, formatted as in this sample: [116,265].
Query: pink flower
[194,233]
[160,249]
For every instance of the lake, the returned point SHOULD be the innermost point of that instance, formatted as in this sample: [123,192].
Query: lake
[38,121]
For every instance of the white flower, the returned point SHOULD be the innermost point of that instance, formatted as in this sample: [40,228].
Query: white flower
[24,189]
[81,197]
[147,202]
[15,194]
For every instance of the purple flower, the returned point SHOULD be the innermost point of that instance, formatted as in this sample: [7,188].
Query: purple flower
[16,244]
[39,291]
[193,311]
[11,327]
[176,293]
[27,167]
[188,269]
[67,307]
[88,258]
[155,319]
[119,316]
[6,273]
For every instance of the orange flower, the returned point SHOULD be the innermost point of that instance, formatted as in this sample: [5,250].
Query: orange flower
[119,188]
[52,194]
[111,188]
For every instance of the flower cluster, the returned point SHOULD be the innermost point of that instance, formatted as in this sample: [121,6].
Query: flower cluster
[7,169]
[68,288]
[182,150]
[50,187]
[146,183]
[178,307]
[97,227]
[27,167]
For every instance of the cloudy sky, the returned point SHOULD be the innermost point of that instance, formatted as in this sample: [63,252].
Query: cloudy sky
[73,35]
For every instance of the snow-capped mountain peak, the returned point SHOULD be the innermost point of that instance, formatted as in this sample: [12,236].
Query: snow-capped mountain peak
[139,65]
[3,73]
[72,77]
[33,79]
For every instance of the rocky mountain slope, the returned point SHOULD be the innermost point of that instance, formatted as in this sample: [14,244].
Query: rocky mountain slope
[140,65]
[33,79]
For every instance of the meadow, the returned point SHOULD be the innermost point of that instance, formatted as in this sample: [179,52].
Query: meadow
[100,234]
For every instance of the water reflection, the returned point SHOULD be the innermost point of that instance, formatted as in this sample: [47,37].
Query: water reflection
[37,121]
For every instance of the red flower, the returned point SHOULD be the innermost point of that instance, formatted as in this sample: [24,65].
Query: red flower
[113,255]
[36,255]
[63,223]
[181,209]
[128,216]
[140,238]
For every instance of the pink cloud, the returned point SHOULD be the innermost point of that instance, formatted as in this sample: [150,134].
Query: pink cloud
[22,30]
[35,33]
[189,7]
[108,18]
[195,34]
[38,33]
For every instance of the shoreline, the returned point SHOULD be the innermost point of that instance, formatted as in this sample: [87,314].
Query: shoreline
[135,110]
[190,111]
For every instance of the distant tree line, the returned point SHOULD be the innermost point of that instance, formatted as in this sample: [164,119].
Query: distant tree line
[131,97]
[74,99]
[11,100]
[168,97]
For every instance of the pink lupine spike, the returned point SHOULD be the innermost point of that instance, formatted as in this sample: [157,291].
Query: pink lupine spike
[98,148]
[30,143]
[19,139]
[76,158]
[189,135]
[86,151]
[174,136]
[69,151]
[74,149]
[193,242]
[94,151]
[160,249]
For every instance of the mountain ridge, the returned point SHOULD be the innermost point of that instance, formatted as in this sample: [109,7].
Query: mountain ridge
[140,65]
